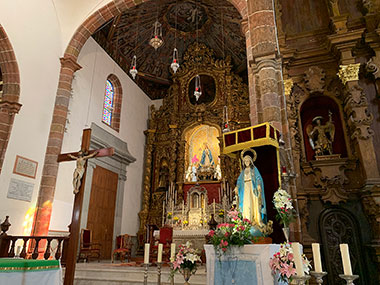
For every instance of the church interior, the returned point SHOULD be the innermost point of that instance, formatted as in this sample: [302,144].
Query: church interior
[140,116]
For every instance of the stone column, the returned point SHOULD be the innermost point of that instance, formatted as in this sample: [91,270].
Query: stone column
[264,73]
[54,146]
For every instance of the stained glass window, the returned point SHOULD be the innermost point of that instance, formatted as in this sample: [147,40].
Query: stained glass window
[108,103]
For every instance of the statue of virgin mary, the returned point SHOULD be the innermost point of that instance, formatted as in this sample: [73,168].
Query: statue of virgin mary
[250,191]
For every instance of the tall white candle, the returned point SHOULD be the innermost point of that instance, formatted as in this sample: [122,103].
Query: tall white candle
[317,257]
[146,253]
[214,206]
[159,256]
[298,258]
[345,259]
[183,208]
[172,252]
[220,196]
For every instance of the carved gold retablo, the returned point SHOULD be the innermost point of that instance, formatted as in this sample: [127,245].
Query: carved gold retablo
[288,84]
[349,72]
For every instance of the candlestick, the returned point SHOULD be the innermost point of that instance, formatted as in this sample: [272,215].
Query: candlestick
[301,280]
[213,203]
[345,259]
[183,208]
[219,195]
[318,276]
[159,255]
[163,213]
[146,253]
[172,275]
[349,278]
[298,258]
[317,257]
[146,267]
[159,264]
[172,252]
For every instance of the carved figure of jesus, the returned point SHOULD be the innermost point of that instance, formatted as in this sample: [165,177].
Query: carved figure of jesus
[79,170]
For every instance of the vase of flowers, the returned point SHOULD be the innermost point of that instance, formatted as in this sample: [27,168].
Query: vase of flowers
[186,261]
[282,264]
[237,231]
[285,210]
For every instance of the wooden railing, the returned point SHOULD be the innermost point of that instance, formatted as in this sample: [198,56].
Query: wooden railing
[31,245]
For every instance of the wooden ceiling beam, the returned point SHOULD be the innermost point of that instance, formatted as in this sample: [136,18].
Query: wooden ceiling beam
[114,25]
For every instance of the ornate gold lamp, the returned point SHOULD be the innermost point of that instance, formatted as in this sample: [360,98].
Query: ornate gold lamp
[156,41]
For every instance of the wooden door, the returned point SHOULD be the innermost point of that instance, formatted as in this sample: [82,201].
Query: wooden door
[101,211]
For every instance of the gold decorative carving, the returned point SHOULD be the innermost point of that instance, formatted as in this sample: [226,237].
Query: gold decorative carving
[288,85]
[349,72]
[165,137]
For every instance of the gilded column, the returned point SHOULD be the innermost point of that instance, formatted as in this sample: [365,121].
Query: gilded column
[150,136]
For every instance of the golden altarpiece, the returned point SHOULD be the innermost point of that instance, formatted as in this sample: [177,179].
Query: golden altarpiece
[184,173]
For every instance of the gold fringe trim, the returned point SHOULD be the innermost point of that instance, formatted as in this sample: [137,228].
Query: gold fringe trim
[28,268]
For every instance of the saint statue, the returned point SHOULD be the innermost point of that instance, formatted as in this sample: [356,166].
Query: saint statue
[250,192]
[321,137]
[206,159]
[79,170]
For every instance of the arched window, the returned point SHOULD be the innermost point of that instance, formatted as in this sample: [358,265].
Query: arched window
[112,103]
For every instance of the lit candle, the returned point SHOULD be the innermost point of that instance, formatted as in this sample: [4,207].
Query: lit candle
[146,253]
[317,257]
[160,248]
[172,252]
[298,258]
[346,259]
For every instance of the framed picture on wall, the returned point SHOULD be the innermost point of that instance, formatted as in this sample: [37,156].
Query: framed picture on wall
[25,167]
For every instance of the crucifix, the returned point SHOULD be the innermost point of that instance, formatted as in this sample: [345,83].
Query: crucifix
[79,178]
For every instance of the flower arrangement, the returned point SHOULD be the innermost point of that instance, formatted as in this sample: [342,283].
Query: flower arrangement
[282,262]
[170,214]
[283,204]
[235,232]
[186,259]
[221,213]
[175,218]
[185,222]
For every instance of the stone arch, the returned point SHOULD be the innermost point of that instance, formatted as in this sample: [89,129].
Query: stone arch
[9,105]
[259,10]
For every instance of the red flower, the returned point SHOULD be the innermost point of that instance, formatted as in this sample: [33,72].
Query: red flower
[211,233]
[226,234]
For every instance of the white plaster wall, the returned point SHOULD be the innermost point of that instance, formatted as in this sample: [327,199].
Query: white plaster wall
[85,108]
[33,30]
[72,13]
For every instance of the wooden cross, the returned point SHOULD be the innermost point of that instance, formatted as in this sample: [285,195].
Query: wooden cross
[84,153]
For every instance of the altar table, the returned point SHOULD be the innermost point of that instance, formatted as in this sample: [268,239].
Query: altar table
[15,271]
[248,264]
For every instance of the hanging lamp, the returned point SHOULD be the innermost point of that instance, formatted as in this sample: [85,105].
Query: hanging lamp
[198,89]
[156,41]
[133,70]
[175,64]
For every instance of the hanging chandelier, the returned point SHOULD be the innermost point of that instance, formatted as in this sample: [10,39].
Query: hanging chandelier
[198,90]
[156,41]
[175,64]
[133,71]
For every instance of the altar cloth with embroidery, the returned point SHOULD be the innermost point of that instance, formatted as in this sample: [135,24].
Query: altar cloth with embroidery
[30,272]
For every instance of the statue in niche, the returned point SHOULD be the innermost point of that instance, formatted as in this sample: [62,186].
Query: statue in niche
[207,159]
[321,137]
[163,176]
[335,7]
[250,193]
[191,172]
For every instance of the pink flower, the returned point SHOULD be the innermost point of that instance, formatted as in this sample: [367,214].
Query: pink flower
[211,233]
[290,256]
[226,234]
